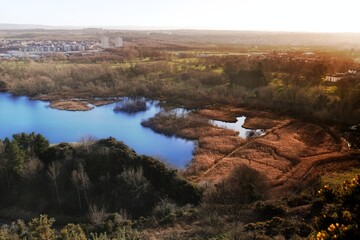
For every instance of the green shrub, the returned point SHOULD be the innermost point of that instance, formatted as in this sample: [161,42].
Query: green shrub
[41,228]
[7,234]
[269,209]
[165,211]
[72,232]
[277,226]
[127,233]
[244,185]
[340,214]
[299,200]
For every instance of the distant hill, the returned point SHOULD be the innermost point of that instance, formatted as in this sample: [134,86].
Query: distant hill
[11,26]
[175,34]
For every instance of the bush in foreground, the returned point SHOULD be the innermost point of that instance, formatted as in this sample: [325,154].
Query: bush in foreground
[340,214]
[243,186]
[41,228]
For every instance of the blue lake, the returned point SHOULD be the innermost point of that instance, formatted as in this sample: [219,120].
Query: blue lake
[20,114]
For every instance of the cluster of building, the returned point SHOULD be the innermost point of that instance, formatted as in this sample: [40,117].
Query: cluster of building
[350,74]
[36,49]
[105,42]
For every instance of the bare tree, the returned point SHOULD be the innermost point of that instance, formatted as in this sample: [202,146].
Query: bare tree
[81,179]
[77,184]
[87,140]
[53,173]
[31,168]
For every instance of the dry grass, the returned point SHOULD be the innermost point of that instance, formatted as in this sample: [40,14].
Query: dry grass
[333,174]
[260,123]
[219,114]
[198,132]
[286,154]
[71,105]
[219,144]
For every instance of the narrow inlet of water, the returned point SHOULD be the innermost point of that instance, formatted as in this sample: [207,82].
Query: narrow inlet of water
[238,127]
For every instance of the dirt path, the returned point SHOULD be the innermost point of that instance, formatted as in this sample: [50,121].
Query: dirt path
[240,147]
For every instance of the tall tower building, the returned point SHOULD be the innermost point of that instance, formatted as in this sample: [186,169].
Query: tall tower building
[104,42]
[118,42]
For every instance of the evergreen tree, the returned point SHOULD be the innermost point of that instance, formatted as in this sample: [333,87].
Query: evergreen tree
[41,144]
[15,156]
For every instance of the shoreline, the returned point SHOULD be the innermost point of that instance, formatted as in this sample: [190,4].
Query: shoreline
[289,150]
[72,103]
[284,149]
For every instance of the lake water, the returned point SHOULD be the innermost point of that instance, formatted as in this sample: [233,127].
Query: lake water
[19,114]
[238,126]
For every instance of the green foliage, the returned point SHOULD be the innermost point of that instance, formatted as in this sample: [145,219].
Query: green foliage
[72,232]
[40,228]
[165,211]
[249,78]
[106,173]
[168,182]
[299,200]
[32,144]
[101,236]
[14,155]
[280,227]
[7,234]
[340,215]
[41,145]
[127,233]
[124,233]
[269,209]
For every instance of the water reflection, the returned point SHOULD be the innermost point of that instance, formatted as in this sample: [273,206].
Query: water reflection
[238,127]
[19,114]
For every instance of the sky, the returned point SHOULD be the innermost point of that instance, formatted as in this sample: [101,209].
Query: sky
[258,15]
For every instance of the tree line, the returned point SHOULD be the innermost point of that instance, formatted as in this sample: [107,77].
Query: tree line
[288,84]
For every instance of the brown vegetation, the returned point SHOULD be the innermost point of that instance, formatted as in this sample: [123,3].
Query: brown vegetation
[132,106]
[71,105]
[286,153]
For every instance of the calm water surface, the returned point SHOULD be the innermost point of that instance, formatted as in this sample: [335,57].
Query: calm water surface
[238,126]
[19,114]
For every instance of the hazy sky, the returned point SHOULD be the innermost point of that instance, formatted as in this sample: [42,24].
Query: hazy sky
[282,15]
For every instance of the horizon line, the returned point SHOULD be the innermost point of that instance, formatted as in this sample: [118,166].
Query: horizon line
[28,26]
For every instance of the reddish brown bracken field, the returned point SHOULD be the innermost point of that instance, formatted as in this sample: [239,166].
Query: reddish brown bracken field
[289,151]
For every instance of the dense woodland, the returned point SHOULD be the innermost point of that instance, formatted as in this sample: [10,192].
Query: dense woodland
[68,179]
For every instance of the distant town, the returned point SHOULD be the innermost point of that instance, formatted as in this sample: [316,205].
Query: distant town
[32,49]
